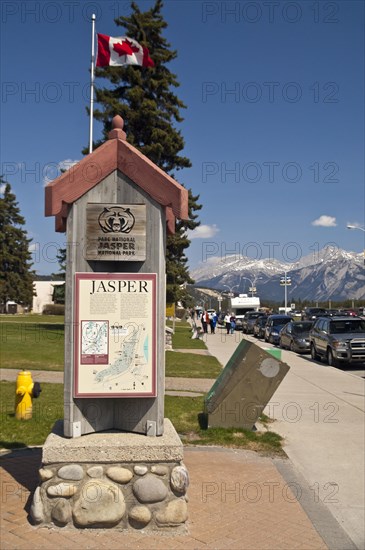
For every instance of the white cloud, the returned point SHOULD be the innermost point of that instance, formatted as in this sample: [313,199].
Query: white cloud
[2,188]
[203,232]
[53,170]
[325,221]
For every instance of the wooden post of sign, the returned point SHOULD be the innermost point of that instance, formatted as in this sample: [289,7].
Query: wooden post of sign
[139,414]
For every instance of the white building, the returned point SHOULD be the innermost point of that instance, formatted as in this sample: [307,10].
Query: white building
[44,294]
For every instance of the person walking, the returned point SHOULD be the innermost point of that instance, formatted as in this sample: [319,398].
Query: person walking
[213,322]
[233,323]
[227,322]
[205,321]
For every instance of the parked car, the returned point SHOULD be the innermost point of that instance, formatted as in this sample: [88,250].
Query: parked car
[249,320]
[361,311]
[332,313]
[348,312]
[259,326]
[296,314]
[238,323]
[295,336]
[339,340]
[311,313]
[273,326]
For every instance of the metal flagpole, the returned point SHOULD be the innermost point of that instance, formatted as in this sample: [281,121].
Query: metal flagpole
[92,78]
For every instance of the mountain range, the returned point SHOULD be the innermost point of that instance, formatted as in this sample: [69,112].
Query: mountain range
[329,274]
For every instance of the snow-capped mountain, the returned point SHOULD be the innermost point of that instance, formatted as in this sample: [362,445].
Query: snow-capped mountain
[328,274]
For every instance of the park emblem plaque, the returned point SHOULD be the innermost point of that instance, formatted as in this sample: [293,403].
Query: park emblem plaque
[116,232]
[115,335]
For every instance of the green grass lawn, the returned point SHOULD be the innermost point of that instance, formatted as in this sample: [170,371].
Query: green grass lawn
[32,318]
[35,342]
[184,413]
[181,339]
[32,342]
[191,365]
[46,410]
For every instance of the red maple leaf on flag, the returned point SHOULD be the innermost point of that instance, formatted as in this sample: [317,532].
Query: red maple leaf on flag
[125,48]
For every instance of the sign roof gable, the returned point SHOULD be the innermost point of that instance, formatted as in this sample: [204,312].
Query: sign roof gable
[115,154]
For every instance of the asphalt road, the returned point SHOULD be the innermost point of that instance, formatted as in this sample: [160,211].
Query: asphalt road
[356,370]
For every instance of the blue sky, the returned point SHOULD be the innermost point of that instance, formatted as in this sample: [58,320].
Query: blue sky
[274,124]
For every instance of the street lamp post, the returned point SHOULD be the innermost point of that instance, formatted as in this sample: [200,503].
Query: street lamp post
[230,295]
[230,289]
[285,282]
[252,283]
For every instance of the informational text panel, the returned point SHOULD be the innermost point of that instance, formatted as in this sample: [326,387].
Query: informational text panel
[115,335]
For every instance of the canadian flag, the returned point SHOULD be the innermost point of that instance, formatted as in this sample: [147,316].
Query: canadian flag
[121,51]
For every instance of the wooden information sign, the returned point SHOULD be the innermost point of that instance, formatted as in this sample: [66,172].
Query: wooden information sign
[117,224]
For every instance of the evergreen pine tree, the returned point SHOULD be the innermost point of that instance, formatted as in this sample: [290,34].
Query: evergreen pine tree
[61,258]
[58,295]
[16,277]
[145,99]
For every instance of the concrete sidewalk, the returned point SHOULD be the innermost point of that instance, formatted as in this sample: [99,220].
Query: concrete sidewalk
[199,385]
[319,410]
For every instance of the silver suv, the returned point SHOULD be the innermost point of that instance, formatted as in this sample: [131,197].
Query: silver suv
[339,340]
[249,320]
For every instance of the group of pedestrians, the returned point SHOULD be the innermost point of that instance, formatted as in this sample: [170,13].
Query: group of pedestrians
[209,319]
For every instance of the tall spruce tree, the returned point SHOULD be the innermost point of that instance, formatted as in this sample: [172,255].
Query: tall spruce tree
[16,276]
[144,97]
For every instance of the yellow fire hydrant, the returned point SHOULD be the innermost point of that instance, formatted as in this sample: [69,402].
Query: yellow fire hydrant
[25,391]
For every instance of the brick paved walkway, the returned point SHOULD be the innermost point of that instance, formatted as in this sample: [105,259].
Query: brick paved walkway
[237,500]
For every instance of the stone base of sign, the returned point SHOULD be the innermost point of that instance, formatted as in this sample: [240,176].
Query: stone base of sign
[122,481]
